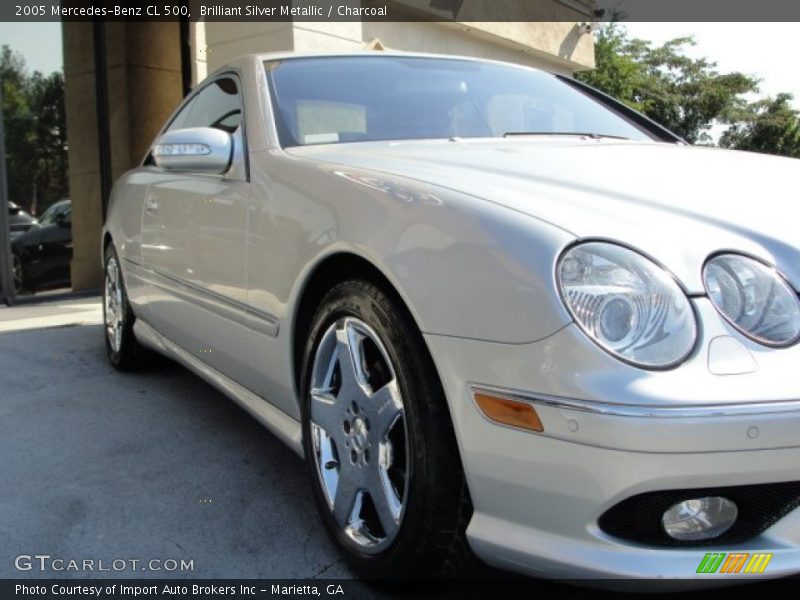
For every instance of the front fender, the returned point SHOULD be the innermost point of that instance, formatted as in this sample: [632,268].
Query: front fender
[475,270]
[465,267]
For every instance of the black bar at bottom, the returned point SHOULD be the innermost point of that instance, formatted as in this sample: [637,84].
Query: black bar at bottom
[717,586]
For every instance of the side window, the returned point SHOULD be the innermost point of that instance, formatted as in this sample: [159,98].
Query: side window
[218,105]
[179,122]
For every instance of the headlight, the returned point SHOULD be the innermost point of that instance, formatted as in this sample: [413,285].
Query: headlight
[627,304]
[754,298]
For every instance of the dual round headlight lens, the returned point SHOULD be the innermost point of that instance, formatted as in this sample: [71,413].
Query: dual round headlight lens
[634,309]
[627,304]
[754,298]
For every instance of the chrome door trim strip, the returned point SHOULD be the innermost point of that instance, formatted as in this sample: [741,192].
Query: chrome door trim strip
[240,312]
[678,411]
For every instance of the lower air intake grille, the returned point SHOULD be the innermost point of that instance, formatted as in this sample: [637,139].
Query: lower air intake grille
[638,518]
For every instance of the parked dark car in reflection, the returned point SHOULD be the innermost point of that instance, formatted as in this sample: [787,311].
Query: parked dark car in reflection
[19,220]
[42,254]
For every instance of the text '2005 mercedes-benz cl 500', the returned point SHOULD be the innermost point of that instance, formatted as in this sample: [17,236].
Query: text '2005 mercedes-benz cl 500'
[499,314]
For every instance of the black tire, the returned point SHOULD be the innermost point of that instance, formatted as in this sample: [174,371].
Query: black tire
[431,539]
[129,355]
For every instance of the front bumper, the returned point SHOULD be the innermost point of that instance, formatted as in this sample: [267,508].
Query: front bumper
[612,431]
[546,524]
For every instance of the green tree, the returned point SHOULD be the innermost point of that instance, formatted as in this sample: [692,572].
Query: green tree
[18,121]
[35,128]
[770,125]
[46,98]
[684,94]
[618,72]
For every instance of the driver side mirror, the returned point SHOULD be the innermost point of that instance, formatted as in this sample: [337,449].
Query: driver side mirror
[196,149]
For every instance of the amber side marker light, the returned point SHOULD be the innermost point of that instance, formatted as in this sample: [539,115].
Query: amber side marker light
[509,412]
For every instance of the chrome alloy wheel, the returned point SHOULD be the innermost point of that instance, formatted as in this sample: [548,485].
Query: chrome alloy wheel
[113,304]
[359,435]
[17,274]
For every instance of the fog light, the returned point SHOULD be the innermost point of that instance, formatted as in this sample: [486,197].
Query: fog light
[699,518]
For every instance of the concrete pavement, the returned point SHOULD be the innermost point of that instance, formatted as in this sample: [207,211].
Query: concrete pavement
[53,310]
[102,465]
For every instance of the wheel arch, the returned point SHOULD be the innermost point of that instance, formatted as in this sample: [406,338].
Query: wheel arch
[331,270]
[445,462]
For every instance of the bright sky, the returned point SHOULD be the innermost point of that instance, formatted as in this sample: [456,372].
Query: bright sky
[39,43]
[765,50]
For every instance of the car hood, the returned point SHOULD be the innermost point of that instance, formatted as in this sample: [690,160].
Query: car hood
[677,203]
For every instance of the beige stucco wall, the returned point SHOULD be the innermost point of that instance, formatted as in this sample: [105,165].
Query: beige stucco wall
[557,44]
[462,39]
[228,40]
[544,33]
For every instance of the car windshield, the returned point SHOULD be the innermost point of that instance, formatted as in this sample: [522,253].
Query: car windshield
[328,100]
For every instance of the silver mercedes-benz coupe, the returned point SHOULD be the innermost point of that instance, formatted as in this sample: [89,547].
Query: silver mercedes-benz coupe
[499,314]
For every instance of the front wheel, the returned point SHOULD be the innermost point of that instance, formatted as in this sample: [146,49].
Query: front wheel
[383,461]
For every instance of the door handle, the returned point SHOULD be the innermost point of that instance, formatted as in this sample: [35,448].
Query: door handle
[151,205]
